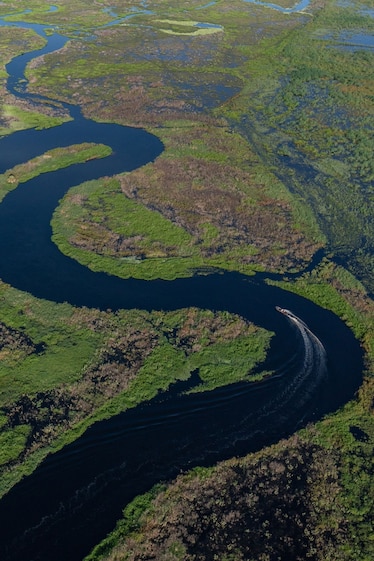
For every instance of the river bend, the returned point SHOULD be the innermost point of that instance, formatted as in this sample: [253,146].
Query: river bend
[81,490]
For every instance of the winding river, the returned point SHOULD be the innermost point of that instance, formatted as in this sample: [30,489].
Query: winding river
[75,496]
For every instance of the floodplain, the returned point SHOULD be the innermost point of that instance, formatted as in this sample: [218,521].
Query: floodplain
[267,126]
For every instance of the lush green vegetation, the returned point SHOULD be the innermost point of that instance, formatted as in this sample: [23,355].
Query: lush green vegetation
[15,115]
[267,128]
[52,160]
[320,483]
[152,240]
[62,368]
[298,489]
[336,289]
[15,118]
[131,522]
[13,42]
[312,119]
[38,335]
[74,17]
[142,225]
[12,443]
[178,27]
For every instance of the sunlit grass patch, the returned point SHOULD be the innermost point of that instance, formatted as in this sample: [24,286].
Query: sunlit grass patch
[52,160]
[202,28]
[20,119]
[12,443]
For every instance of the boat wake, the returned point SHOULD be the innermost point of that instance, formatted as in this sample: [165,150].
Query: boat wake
[156,441]
[299,380]
[81,490]
[313,369]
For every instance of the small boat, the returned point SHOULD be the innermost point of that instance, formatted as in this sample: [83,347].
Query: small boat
[282,310]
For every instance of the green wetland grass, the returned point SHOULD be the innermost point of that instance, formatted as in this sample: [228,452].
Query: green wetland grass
[297,100]
[52,160]
[16,118]
[52,356]
[312,121]
[341,483]
[120,227]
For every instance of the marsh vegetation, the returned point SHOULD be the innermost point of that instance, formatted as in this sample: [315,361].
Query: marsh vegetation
[267,128]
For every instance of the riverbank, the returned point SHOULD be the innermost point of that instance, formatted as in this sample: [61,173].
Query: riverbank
[105,354]
[305,481]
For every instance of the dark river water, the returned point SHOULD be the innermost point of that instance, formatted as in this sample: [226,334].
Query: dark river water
[75,496]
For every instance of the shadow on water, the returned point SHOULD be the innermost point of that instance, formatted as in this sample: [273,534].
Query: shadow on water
[81,490]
